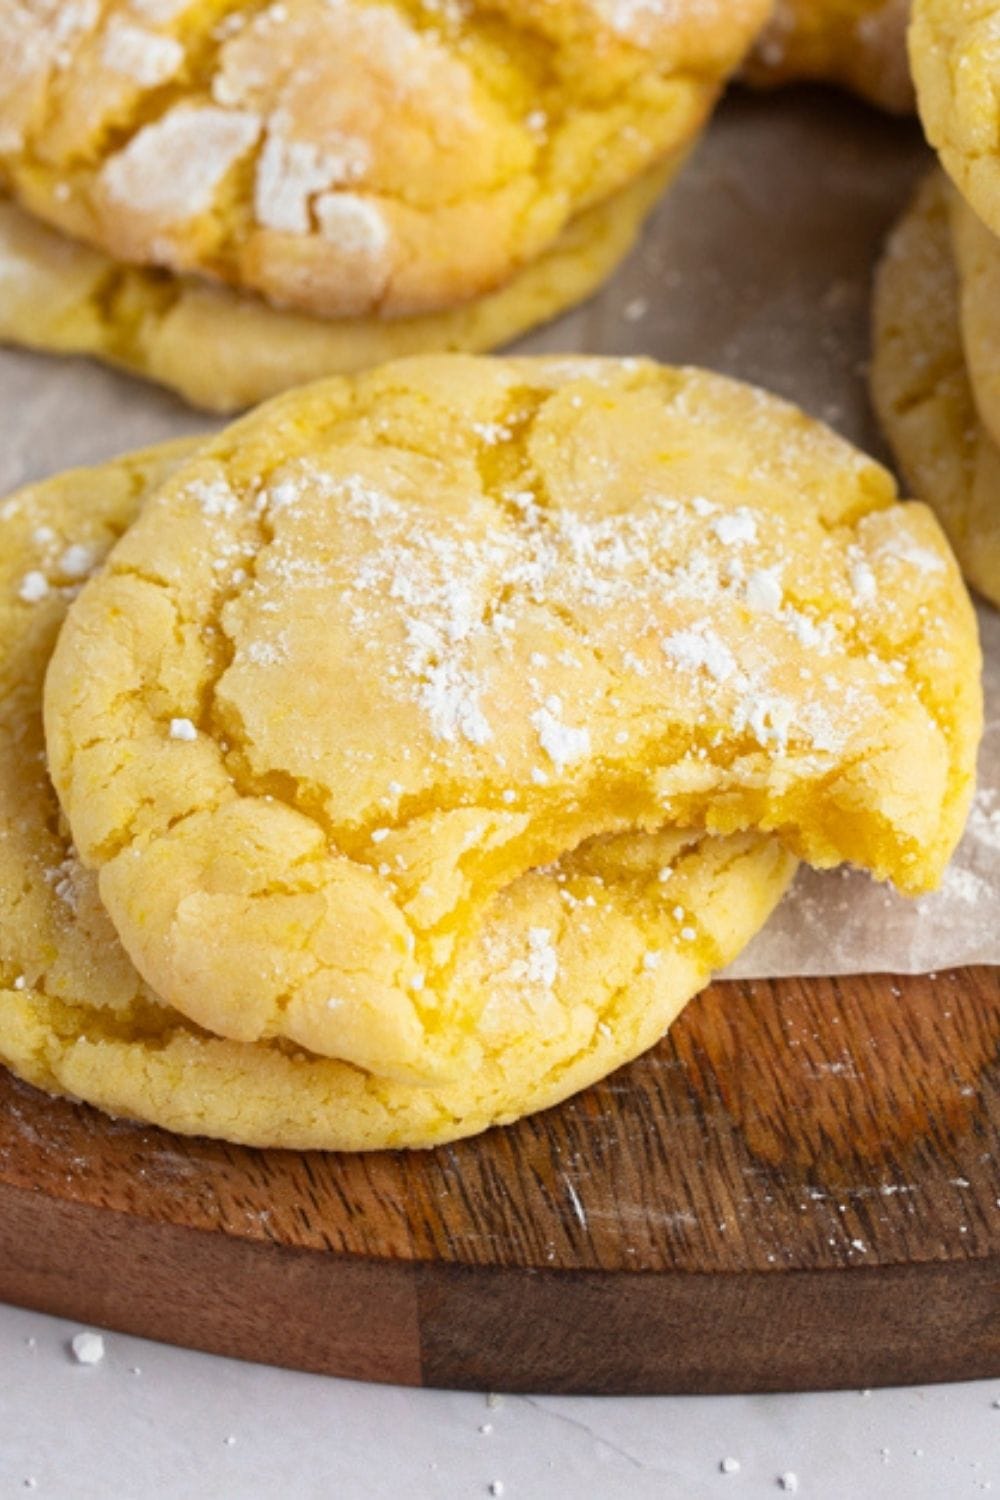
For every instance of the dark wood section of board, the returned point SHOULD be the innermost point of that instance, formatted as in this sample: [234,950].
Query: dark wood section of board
[800,1187]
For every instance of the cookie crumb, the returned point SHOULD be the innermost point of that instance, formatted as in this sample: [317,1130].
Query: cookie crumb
[88,1348]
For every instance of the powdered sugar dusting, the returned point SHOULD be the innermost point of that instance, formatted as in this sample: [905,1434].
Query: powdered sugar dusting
[701,648]
[170,171]
[146,57]
[561,742]
[465,591]
[291,172]
[355,224]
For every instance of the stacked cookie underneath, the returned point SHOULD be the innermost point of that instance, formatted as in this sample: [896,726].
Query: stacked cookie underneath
[936,370]
[936,367]
[423,742]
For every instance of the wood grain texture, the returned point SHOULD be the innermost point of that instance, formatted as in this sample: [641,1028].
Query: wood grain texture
[800,1187]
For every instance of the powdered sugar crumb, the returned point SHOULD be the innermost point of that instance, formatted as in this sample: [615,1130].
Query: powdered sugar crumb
[33,587]
[87,1348]
[735,527]
[144,56]
[561,742]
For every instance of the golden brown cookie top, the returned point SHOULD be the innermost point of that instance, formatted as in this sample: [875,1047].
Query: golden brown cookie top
[343,157]
[224,350]
[387,644]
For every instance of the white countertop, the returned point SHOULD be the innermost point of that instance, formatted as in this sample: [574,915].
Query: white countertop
[160,1423]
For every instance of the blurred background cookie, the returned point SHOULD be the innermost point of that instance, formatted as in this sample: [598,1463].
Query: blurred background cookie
[860,44]
[921,385]
[346,161]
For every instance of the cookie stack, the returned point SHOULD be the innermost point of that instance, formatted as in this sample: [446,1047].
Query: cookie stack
[936,369]
[420,744]
[235,198]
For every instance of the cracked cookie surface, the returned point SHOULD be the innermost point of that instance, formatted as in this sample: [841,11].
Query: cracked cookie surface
[922,391]
[581,967]
[224,350]
[386,645]
[344,158]
[860,44]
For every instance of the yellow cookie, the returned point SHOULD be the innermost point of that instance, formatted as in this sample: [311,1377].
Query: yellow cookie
[976,255]
[858,43]
[584,966]
[955,57]
[921,387]
[346,158]
[387,644]
[223,350]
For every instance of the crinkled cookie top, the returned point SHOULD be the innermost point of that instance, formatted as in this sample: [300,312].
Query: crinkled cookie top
[342,157]
[387,644]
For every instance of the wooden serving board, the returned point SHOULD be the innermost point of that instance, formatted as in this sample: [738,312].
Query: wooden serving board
[799,1188]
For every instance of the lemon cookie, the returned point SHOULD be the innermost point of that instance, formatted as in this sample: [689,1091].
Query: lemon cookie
[345,158]
[921,387]
[387,644]
[581,967]
[976,253]
[955,55]
[860,44]
[223,350]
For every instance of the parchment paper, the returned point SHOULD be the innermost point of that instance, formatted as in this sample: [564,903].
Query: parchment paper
[758,263]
